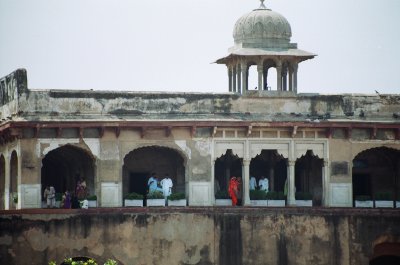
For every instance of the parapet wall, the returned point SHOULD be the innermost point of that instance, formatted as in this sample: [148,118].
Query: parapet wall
[197,235]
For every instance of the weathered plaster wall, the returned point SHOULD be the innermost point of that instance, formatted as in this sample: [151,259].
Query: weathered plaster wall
[136,104]
[198,236]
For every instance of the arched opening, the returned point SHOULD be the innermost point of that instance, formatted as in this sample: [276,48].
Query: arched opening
[65,166]
[386,254]
[252,76]
[270,76]
[13,180]
[225,167]
[271,165]
[376,174]
[140,163]
[2,181]
[308,177]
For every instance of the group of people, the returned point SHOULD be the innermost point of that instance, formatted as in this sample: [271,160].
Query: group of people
[263,183]
[68,200]
[164,186]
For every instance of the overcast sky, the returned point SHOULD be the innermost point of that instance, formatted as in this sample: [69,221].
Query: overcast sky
[169,45]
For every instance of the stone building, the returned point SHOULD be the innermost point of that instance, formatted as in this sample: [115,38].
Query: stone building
[336,147]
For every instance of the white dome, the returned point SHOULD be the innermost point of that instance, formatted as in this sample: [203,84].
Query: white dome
[262,28]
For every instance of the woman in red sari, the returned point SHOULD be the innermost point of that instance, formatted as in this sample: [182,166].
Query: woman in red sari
[233,190]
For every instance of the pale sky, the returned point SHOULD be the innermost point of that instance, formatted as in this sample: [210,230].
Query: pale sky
[169,45]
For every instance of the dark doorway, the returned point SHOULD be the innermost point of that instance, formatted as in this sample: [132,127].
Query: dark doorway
[141,162]
[308,176]
[225,167]
[386,254]
[271,165]
[376,173]
[138,183]
[64,166]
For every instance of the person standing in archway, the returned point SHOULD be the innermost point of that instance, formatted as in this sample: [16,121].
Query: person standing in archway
[263,183]
[166,185]
[233,190]
[50,196]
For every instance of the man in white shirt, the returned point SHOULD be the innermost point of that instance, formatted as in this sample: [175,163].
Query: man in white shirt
[166,185]
[253,183]
[263,183]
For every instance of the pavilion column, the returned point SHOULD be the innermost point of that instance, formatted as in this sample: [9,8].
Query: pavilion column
[230,78]
[265,77]
[244,78]
[291,200]
[290,79]
[7,182]
[213,187]
[295,67]
[234,88]
[325,183]
[271,178]
[246,182]
[279,77]
[260,77]
[239,78]
[284,79]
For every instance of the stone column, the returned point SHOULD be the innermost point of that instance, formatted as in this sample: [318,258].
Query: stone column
[239,79]
[284,79]
[7,182]
[244,78]
[325,183]
[271,178]
[246,182]
[230,78]
[290,79]
[213,184]
[279,77]
[234,88]
[295,67]
[265,77]
[291,200]
[260,77]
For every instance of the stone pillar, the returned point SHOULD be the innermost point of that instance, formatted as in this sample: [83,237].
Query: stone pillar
[279,77]
[284,79]
[246,182]
[230,78]
[260,77]
[325,184]
[234,88]
[295,67]
[239,79]
[291,200]
[244,78]
[265,77]
[271,178]
[213,189]
[290,79]
[7,182]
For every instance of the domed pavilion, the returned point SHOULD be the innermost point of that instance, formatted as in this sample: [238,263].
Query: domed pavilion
[262,38]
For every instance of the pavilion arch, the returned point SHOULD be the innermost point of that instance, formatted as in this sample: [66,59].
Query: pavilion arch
[309,176]
[377,171]
[272,165]
[64,166]
[139,163]
[13,178]
[227,165]
[2,181]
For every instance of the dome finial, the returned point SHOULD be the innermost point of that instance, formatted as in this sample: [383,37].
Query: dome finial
[262,6]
